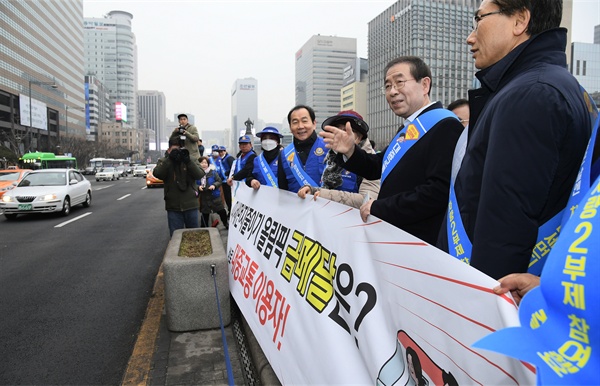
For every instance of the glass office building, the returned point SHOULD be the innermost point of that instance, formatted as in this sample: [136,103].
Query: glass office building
[111,56]
[152,110]
[434,30]
[41,50]
[320,67]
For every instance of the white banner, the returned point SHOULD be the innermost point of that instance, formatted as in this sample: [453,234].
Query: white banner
[39,112]
[333,300]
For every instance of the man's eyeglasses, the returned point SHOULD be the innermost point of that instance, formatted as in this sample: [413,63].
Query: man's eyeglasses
[398,85]
[477,18]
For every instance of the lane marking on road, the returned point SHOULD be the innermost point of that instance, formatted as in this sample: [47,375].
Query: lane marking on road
[125,196]
[62,224]
[139,366]
[104,187]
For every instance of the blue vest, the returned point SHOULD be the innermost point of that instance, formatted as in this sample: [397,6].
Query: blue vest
[241,161]
[218,166]
[349,182]
[315,164]
[260,175]
[210,180]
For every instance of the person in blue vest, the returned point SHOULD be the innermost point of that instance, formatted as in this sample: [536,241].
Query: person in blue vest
[266,165]
[415,173]
[303,161]
[244,162]
[210,194]
[216,161]
[226,163]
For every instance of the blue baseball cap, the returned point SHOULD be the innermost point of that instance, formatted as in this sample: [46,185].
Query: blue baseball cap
[269,130]
[215,148]
[245,139]
[222,148]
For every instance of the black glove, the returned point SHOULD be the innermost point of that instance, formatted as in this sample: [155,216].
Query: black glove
[185,156]
[175,155]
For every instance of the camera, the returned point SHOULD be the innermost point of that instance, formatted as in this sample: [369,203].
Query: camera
[181,129]
[179,155]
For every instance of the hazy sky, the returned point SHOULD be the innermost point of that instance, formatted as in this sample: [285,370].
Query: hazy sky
[193,50]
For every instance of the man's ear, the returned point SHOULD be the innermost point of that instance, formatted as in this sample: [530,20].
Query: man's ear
[521,22]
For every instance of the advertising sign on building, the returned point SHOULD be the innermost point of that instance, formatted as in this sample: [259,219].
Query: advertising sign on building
[120,112]
[38,112]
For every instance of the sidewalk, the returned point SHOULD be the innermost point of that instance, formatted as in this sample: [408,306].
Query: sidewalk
[162,357]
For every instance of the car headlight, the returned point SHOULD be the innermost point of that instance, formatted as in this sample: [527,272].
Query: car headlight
[7,198]
[48,197]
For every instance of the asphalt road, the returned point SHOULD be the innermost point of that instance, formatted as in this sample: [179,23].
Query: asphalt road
[73,295]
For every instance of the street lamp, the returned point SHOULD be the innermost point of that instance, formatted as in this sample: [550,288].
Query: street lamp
[51,84]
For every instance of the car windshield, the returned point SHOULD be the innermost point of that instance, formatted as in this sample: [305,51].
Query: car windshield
[107,169]
[140,168]
[44,179]
[9,176]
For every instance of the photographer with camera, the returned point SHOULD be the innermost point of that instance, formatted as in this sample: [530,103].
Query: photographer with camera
[179,175]
[188,136]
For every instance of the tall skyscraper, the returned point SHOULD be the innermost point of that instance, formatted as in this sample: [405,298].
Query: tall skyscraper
[111,56]
[152,109]
[41,46]
[244,106]
[319,73]
[435,31]
[354,87]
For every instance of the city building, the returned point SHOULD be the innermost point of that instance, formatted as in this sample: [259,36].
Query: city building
[111,56]
[244,107]
[41,65]
[353,95]
[152,111]
[320,64]
[124,140]
[435,31]
[585,67]
[97,106]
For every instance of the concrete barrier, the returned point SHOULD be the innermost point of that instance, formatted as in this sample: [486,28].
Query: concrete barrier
[190,300]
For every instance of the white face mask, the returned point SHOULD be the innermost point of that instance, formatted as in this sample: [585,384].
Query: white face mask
[268,144]
[215,153]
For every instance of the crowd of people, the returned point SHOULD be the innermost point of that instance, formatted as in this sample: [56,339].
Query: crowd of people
[485,179]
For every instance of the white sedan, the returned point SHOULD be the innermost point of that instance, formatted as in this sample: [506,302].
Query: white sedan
[47,191]
[108,173]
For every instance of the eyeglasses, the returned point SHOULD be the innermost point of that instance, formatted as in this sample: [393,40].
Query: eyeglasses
[397,84]
[477,18]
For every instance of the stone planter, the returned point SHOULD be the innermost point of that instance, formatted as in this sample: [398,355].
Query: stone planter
[190,300]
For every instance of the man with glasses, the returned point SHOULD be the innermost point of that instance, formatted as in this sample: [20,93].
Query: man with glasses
[528,131]
[415,167]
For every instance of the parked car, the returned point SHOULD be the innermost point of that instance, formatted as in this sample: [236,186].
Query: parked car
[139,171]
[108,173]
[152,181]
[47,191]
[9,178]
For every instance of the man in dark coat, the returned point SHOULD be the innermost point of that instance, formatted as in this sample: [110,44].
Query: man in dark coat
[529,127]
[415,167]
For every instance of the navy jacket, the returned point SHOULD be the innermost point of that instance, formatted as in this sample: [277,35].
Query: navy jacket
[529,128]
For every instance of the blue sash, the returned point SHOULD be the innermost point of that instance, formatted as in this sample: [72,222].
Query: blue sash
[411,133]
[267,172]
[459,244]
[242,161]
[299,173]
